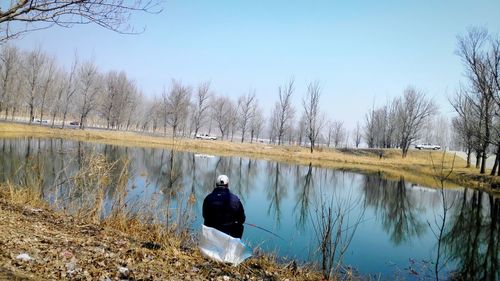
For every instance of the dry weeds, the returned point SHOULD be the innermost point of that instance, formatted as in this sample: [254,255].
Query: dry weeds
[64,247]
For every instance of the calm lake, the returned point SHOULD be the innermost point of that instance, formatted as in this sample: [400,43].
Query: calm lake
[395,225]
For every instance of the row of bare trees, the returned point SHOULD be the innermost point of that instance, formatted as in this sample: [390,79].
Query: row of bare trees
[400,122]
[311,128]
[33,84]
[477,102]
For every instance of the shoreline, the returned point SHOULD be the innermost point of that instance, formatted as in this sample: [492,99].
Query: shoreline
[58,246]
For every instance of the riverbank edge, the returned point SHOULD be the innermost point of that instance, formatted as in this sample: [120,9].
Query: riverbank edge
[417,167]
[59,246]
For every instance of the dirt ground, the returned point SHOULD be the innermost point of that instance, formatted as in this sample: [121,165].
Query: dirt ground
[39,244]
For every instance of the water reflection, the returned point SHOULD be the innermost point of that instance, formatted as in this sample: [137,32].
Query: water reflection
[472,241]
[278,196]
[394,207]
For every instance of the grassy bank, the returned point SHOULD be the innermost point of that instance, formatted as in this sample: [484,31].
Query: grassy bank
[73,247]
[417,167]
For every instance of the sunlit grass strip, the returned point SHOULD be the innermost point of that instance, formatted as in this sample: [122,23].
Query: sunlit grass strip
[416,167]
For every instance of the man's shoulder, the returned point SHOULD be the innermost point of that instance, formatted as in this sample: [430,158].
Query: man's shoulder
[234,196]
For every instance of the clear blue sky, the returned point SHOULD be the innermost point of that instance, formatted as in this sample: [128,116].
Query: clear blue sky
[361,51]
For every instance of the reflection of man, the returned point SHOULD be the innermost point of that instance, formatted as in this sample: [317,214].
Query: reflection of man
[222,209]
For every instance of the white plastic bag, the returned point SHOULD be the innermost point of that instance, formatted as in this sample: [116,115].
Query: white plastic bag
[221,247]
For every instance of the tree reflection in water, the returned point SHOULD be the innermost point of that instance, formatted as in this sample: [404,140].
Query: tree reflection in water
[472,241]
[394,207]
[276,189]
[304,194]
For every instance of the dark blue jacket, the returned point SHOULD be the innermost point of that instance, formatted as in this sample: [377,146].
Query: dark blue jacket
[222,210]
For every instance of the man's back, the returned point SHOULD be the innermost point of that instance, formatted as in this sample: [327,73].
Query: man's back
[223,210]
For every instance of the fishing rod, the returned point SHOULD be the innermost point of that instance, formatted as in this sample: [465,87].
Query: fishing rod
[268,231]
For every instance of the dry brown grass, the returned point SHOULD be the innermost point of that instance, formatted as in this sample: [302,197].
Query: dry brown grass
[416,167]
[97,250]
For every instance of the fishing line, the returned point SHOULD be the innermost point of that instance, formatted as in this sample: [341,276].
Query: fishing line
[268,231]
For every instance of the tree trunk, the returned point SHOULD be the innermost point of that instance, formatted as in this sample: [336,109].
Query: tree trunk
[41,109]
[494,169]
[81,122]
[13,113]
[483,163]
[469,152]
[495,166]
[405,151]
[31,115]
[64,117]
[53,119]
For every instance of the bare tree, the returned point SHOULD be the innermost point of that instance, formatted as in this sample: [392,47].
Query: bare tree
[70,87]
[496,141]
[131,102]
[178,102]
[113,88]
[334,131]
[493,62]
[21,16]
[370,128]
[9,65]
[314,118]
[47,87]
[335,222]
[144,114]
[221,107]
[32,66]
[301,129]
[155,109]
[284,110]
[232,120]
[483,83]
[201,106]
[246,110]
[413,111]
[357,135]
[164,112]
[273,125]
[89,88]
[338,132]
[329,132]
[58,102]
[118,100]
[441,175]
[257,123]
[390,130]
[381,125]
[16,97]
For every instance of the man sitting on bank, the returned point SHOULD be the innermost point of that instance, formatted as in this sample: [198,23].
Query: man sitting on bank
[223,210]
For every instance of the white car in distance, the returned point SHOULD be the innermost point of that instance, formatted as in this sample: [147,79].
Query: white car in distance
[427,146]
[205,137]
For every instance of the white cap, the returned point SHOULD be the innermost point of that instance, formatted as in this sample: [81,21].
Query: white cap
[222,180]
